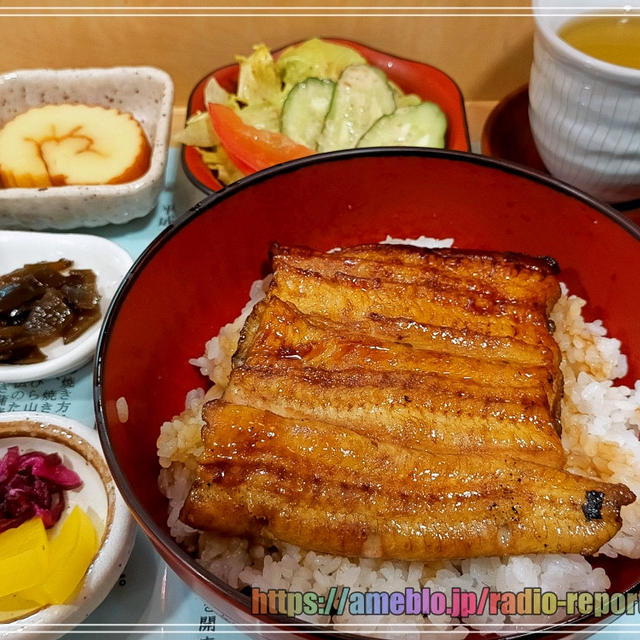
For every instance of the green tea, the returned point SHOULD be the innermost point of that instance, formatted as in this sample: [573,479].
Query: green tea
[608,38]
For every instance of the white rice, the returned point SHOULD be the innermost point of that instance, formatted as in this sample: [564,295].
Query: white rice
[600,423]
[122,409]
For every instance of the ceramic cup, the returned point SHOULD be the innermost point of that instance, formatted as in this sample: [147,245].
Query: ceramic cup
[584,113]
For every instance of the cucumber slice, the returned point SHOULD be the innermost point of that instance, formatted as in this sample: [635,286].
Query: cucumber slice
[362,95]
[422,125]
[305,109]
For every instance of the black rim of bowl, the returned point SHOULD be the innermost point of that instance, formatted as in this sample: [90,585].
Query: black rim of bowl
[161,536]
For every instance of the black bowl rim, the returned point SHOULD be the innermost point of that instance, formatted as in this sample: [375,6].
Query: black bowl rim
[207,190]
[163,538]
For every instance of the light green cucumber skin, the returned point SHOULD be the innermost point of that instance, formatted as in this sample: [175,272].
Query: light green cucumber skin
[422,125]
[305,110]
[362,95]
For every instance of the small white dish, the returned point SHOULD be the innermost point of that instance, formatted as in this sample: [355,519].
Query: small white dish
[145,92]
[80,450]
[108,261]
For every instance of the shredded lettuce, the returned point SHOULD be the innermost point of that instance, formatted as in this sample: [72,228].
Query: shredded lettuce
[198,131]
[261,116]
[213,92]
[258,78]
[217,160]
[315,58]
[407,100]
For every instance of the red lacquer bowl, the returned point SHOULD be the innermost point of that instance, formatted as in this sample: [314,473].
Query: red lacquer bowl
[412,77]
[506,133]
[196,275]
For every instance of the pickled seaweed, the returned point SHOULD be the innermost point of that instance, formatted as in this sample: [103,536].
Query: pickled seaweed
[42,302]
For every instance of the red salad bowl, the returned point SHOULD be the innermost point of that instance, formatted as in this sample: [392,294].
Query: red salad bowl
[412,77]
[196,275]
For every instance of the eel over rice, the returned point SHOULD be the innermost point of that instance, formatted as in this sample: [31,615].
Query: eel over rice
[358,383]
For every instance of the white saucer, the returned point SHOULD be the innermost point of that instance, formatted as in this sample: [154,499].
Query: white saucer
[108,261]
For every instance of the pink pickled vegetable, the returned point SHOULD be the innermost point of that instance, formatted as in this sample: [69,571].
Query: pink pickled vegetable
[33,484]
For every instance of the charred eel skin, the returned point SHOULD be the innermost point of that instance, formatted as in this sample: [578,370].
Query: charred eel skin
[445,351]
[332,490]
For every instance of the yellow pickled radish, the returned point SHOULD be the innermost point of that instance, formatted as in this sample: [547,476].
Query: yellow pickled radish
[24,556]
[15,606]
[70,554]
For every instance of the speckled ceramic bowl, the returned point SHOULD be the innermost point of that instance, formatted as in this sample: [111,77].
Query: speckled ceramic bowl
[145,92]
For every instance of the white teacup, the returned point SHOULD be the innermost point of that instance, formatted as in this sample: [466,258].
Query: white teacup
[584,113]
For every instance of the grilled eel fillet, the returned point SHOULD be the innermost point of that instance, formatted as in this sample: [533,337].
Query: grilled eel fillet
[332,490]
[278,336]
[349,287]
[445,351]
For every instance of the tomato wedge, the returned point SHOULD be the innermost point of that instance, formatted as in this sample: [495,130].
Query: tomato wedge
[249,148]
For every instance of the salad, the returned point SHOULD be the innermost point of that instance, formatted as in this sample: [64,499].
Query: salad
[317,96]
